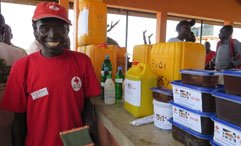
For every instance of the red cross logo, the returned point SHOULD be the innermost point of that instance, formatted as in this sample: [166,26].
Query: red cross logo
[53,7]
[76,80]
[76,83]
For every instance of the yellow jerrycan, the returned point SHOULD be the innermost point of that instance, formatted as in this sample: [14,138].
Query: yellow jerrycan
[92,22]
[137,90]
[168,58]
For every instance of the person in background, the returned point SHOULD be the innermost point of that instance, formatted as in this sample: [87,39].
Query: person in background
[54,85]
[8,56]
[209,54]
[191,37]
[183,29]
[7,36]
[34,47]
[228,53]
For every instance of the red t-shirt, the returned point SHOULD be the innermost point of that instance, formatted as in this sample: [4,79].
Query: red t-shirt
[209,57]
[52,92]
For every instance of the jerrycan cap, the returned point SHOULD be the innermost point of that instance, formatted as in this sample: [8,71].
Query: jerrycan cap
[106,68]
[135,62]
[107,56]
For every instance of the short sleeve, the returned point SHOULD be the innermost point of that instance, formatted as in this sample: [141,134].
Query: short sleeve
[91,84]
[14,98]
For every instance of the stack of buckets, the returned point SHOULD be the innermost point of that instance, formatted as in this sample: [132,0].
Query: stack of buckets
[162,107]
[193,106]
[227,123]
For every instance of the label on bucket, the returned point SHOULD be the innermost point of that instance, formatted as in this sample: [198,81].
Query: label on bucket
[161,116]
[186,118]
[187,97]
[133,92]
[226,135]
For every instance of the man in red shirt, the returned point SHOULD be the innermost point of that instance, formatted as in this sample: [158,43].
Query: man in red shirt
[52,85]
[209,53]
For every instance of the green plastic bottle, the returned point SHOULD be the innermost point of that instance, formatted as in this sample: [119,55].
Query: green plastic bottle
[119,78]
[103,79]
[106,63]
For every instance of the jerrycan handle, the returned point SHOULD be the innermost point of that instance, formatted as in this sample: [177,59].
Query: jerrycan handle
[142,66]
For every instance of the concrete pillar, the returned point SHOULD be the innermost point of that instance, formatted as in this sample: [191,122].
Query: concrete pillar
[161,26]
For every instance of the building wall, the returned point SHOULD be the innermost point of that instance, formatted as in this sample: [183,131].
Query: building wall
[228,10]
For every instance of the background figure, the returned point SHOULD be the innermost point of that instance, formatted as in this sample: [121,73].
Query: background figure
[228,54]
[7,36]
[209,54]
[8,55]
[183,29]
[191,37]
[34,47]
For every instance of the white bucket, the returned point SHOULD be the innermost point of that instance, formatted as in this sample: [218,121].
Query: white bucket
[162,113]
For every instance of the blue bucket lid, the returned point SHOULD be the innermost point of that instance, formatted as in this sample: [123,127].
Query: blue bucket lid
[215,119]
[192,132]
[232,72]
[201,89]
[230,97]
[203,114]
[161,90]
[200,72]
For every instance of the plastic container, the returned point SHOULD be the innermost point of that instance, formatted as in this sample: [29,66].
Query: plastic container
[194,97]
[97,54]
[228,107]
[81,49]
[168,58]
[214,143]
[226,134]
[121,58]
[195,120]
[109,91]
[119,78]
[189,137]
[141,53]
[162,94]
[106,63]
[137,95]
[232,81]
[104,75]
[204,78]
[92,22]
[162,113]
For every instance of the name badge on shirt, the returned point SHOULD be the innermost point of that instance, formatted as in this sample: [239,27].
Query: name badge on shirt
[40,93]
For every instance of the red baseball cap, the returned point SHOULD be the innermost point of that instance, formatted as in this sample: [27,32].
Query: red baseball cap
[50,10]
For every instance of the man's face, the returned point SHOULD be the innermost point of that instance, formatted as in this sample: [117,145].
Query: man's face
[52,33]
[185,29]
[225,34]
